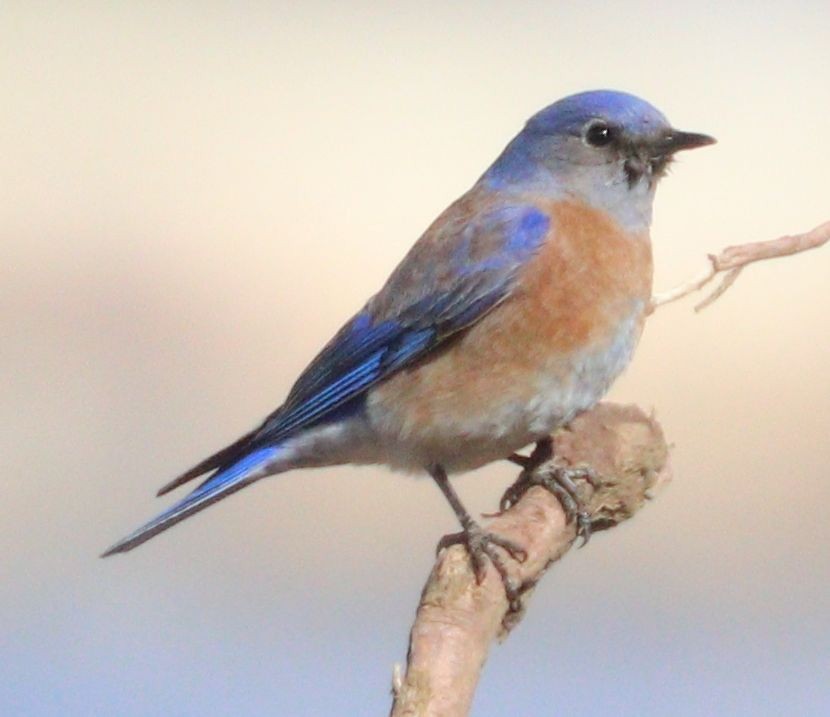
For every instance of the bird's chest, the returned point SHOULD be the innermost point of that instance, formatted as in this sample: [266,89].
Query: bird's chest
[579,309]
[549,351]
[575,315]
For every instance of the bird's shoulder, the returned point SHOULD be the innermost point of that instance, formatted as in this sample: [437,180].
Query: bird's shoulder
[480,241]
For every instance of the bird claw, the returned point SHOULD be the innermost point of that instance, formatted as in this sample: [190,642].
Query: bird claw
[561,481]
[481,545]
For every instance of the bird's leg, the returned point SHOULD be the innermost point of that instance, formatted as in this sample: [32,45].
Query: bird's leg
[480,544]
[542,451]
[519,459]
[558,479]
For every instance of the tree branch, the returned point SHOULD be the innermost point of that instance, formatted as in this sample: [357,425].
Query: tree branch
[457,619]
[733,259]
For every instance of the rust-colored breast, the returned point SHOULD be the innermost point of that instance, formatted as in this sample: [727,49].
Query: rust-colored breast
[587,280]
[583,281]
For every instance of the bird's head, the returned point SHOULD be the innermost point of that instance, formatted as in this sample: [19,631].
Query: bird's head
[604,147]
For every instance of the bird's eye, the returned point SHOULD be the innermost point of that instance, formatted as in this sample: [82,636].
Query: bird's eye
[599,134]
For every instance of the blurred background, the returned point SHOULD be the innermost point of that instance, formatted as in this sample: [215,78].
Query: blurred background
[194,197]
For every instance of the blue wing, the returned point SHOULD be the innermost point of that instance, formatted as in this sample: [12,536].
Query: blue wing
[442,286]
[464,265]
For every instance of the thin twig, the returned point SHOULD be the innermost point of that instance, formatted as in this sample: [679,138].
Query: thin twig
[734,258]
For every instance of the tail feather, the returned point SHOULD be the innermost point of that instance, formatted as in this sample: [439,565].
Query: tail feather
[243,472]
[230,453]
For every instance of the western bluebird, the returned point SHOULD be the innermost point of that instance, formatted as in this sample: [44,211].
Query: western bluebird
[513,312]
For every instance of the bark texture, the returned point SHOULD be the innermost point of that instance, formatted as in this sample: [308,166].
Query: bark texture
[457,619]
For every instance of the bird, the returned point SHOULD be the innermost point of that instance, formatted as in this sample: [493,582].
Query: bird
[512,313]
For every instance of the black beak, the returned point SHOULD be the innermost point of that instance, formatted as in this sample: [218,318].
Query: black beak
[675,140]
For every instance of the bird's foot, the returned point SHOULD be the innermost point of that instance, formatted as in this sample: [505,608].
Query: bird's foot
[561,481]
[481,545]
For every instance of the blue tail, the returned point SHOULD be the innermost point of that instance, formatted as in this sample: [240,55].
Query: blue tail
[252,467]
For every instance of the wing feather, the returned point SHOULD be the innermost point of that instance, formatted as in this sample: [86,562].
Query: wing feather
[461,268]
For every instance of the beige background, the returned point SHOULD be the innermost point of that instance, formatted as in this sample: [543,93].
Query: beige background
[194,196]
